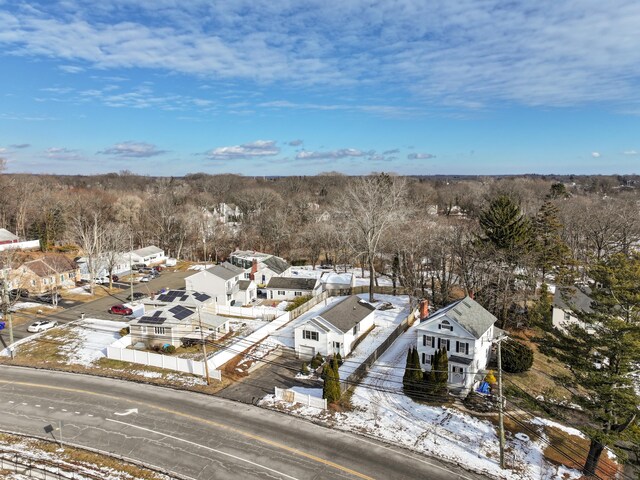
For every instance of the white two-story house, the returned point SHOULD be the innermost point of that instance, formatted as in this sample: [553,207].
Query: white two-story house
[466,331]
[569,304]
[260,267]
[335,329]
[225,283]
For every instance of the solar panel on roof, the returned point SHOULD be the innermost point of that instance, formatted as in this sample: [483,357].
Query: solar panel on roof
[152,320]
[201,297]
[180,312]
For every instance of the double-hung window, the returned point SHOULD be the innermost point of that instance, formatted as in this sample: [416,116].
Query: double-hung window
[428,341]
[309,335]
[462,347]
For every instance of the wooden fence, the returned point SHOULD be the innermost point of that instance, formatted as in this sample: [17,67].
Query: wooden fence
[292,396]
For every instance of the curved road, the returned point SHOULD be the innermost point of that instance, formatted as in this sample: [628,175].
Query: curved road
[198,436]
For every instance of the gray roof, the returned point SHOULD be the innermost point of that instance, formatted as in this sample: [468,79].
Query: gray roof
[168,316]
[187,298]
[572,298]
[7,236]
[347,313]
[460,360]
[292,283]
[468,313]
[244,284]
[276,264]
[146,251]
[212,320]
[225,270]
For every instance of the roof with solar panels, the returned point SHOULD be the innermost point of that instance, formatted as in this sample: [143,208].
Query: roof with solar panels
[186,298]
[172,315]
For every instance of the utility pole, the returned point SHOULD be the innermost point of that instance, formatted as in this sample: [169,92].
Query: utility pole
[6,311]
[204,349]
[500,401]
[131,265]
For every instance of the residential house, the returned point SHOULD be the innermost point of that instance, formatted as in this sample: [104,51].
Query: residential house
[260,267]
[466,331]
[151,255]
[187,298]
[225,283]
[9,241]
[337,281]
[175,324]
[228,213]
[120,265]
[569,303]
[45,274]
[289,288]
[335,329]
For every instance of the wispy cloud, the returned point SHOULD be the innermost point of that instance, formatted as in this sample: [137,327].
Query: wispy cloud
[20,146]
[630,152]
[595,154]
[420,156]
[332,154]
[259,148]
[133,150]
[71,68]
[62,153]
[295,143]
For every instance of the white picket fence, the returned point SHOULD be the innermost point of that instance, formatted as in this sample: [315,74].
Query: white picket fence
[264,313]
[291,396]
[117,351]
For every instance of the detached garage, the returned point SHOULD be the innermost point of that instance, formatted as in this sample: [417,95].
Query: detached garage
[288,288]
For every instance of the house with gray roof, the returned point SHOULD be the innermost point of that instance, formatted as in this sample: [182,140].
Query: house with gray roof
[176,325]
[569,306]
[225,283]
[466,331]
[288,288]
[151,255]
[334,329]
[260,267]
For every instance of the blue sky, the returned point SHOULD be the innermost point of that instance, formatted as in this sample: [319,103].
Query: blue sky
[169,87]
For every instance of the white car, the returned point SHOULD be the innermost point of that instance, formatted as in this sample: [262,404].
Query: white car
[41,326]
[145,278]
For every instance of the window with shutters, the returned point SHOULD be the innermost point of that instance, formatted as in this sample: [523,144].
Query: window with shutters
[445,325]
[309,335]
[462,347]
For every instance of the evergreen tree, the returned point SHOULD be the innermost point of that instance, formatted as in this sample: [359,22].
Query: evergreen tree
[339,358]
[505,227]
[540,313]
[406,378]
[551,252]
[603,355]
[331,386]
[516,357]
[305,369]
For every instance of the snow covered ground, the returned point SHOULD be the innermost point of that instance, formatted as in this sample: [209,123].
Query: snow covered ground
[381,410]
[89,340]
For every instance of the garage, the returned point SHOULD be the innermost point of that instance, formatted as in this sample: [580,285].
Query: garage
[305,352]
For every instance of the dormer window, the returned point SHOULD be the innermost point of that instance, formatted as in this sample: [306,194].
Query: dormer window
[445,325]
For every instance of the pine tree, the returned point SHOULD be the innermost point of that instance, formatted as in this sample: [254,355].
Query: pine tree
[339,358]
[551,252]
[505,226]
[603,355]
[329,385]
[407,369]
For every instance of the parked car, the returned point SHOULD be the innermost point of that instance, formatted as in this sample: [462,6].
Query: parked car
[18,293]
[146,278]
[47,298]
[101,280]
[41,326]
[120,310]
[136,296]
[138,266]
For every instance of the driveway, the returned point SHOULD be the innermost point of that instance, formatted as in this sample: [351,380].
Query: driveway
[276,372]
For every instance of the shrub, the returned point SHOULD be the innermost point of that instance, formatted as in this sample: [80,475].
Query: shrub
[297,302]
[316,361]
[516,357]
[305,369]
[125,331]
[339,359]
[169,349]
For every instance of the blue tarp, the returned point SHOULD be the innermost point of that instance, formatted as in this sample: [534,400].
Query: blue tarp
[484,388]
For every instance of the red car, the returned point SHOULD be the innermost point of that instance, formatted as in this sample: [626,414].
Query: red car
[120,310]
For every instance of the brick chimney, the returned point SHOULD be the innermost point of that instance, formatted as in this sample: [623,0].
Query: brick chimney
[424,309]
[254,269]
[471,295]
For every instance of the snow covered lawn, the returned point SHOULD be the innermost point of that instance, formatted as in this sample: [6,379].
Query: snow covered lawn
[90,339]
[381,410]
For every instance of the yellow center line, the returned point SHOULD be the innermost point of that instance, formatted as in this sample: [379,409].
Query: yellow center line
[206,421]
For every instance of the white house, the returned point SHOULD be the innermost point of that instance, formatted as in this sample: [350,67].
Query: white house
[337,281]
[466,331]
[9,241]
[334,329]
[176,324]
[228,213]
[568,304]
[187,298]
[260,267]
[148,255]
[120,265]
[288,288]
[225,283]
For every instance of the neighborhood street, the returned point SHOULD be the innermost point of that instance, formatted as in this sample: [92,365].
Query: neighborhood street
[96,308]
[198,436]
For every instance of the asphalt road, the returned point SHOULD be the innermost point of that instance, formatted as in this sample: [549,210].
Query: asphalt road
[198,436]
[97,308]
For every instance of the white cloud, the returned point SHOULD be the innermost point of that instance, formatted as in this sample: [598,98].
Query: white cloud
[62,153]
[71,68]
[20,145]
[332,154]
[295,143]
[259,148]
[461,54]
[420,156]
[133,150]
[595,154]
[630,152]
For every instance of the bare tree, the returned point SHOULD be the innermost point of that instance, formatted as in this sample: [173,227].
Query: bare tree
[371,206]
[89,231]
